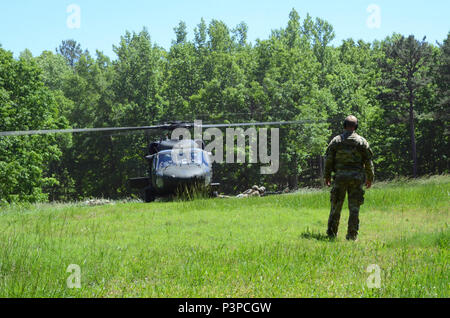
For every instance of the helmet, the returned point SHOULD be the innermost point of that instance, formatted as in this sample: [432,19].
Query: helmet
[351,121]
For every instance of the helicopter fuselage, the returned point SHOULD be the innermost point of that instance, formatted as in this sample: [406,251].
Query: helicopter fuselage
[173,168]
[169,175]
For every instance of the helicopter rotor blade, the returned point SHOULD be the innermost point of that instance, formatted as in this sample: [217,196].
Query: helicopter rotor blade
[269,123]
[169,126]
[75,130]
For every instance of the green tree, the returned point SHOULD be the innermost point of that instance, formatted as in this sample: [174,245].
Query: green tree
[181,33]
[70,50]
[26,104]
[404,75]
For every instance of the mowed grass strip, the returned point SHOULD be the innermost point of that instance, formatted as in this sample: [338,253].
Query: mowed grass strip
[259,247]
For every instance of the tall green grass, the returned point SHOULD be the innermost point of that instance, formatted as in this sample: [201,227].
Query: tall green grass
[257,247]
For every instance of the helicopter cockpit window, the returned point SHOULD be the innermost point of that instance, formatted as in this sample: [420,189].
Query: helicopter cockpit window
[206,159]
[181,158]
[196,157]
[164,160]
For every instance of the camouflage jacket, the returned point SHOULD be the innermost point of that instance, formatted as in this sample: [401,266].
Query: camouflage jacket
[349,155]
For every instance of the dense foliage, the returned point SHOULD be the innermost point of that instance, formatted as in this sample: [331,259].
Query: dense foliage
[398,88]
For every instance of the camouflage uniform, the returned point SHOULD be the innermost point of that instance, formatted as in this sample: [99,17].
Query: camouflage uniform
[350,157]
[255,191]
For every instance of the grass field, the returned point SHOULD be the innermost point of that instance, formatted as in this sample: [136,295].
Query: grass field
[259,247]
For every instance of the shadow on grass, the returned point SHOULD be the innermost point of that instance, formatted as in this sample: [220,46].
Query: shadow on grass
[311,235]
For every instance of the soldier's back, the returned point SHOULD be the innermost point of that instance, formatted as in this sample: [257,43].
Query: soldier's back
[349,151]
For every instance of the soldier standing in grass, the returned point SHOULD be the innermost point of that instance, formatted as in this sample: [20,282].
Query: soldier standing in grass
[350,158]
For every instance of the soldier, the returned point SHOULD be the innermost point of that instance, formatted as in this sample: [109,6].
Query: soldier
[255,191]
[350,157]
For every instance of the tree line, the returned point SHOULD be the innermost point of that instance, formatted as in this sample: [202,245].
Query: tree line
[398,88]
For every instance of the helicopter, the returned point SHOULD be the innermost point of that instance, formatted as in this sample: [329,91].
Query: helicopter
[173,164]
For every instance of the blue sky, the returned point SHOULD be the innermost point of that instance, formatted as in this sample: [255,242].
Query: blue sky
[42,24]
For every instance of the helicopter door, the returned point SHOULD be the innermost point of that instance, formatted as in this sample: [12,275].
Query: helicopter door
[153,170]
[154,160]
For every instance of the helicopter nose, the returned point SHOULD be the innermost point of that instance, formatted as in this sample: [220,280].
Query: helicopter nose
[183,177]
[183,173]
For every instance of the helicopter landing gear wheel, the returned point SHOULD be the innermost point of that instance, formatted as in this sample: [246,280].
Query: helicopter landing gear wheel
[148,196]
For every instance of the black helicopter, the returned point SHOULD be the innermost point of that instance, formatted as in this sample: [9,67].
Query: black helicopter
[173,164]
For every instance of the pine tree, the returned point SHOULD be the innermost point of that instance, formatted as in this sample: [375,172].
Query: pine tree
[404,76]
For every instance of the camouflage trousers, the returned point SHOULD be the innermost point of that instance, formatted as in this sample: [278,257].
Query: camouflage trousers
[355,190]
